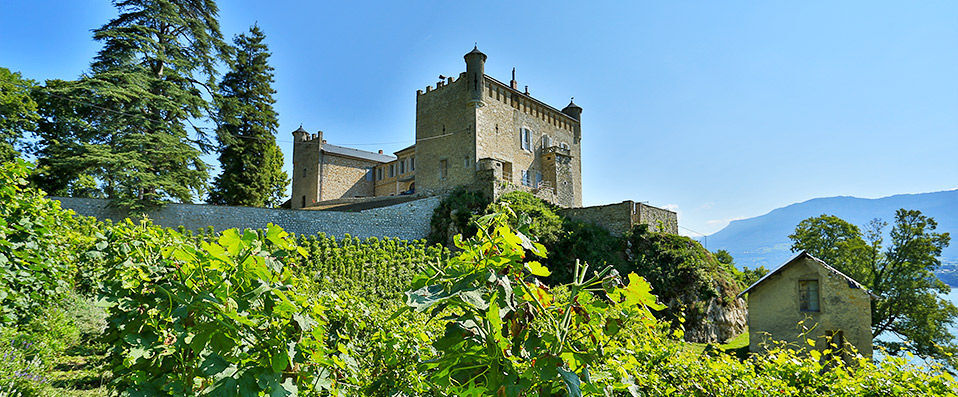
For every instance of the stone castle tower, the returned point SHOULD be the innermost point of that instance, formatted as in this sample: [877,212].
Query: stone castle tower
[470,131]
[476,123]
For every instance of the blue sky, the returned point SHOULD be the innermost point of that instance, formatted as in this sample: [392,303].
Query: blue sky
[721,110]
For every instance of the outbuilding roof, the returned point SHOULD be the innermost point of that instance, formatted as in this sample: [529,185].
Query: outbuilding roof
[356,153]
[805,255]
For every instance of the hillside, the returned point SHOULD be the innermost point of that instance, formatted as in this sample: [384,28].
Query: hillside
[763,240]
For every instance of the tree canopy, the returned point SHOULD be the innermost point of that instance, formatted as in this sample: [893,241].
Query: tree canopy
[18,112]
[252,162]
[145,87]
[902,275]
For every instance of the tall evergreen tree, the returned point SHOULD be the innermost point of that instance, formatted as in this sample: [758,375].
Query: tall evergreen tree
[144,88]
[18,112]
[252,162]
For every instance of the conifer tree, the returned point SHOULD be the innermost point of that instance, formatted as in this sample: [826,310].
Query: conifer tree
[252,163]
[145,86]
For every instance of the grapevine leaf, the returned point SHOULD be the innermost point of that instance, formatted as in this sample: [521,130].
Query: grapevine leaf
[538,269]
[571,381]
[638,291]
[213,364]
[279,361]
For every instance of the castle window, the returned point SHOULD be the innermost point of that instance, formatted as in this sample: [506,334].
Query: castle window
[304,202]
[443,169]
[379,174]
[412,163]
[304,172]
[465,162]
[525,139]
[808,295]
[369,174]
[402,166]
[546,141]
[538,179]
[392,170]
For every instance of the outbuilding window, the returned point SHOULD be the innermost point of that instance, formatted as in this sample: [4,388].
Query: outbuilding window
[443,168]
[808,295]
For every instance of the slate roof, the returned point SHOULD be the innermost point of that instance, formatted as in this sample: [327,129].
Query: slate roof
[359,154]
[803,255]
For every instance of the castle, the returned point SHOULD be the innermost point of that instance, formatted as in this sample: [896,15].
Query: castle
[470,131]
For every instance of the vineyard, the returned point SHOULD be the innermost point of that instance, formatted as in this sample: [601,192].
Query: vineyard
[129,308]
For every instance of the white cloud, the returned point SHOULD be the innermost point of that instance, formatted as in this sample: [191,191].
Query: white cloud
[671,207]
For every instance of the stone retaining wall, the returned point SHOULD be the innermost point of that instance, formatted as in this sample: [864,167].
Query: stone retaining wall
[408,221]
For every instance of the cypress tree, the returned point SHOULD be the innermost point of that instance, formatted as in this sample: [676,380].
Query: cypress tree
[252,163]
[144,88]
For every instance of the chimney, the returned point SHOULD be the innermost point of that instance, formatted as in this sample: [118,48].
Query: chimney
[380,151]
[324,141]
[527,90]
[514,84]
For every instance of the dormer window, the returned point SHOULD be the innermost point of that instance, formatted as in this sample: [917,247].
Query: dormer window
[808,295]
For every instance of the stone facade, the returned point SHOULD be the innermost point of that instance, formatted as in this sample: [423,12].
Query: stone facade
[407,221]
[620,217]
[779,308]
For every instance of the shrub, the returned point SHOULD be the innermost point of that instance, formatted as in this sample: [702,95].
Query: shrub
[455,214]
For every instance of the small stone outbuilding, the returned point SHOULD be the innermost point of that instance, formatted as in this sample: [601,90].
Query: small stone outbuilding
[806,294]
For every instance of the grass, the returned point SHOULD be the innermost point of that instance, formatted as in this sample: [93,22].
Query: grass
[79,372]
[737,346]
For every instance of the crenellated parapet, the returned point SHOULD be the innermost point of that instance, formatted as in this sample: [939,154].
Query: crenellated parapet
[448,81]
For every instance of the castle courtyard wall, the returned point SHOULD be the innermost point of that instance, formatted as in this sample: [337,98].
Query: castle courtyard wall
[408,221]
[619,218]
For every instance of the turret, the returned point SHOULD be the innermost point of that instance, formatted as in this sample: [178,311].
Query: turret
[300,134]
[575,112]
[475,72]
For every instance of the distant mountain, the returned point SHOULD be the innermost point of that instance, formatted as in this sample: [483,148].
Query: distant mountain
[763,240]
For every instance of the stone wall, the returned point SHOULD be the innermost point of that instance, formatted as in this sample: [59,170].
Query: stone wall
[619,218]
[345,177]
[409,221]
[616,218]
[658,219]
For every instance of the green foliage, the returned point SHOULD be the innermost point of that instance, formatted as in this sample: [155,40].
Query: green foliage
[586,242]
[38,251]
[252,163]
[508,334]
[219,318]
[683,273]
[902,275]
[18,112]
[377,269]
[536,215]
[149,75]
[745,277]
[455,214]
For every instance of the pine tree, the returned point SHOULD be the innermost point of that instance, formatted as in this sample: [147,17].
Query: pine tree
[252,162]
[144,88]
